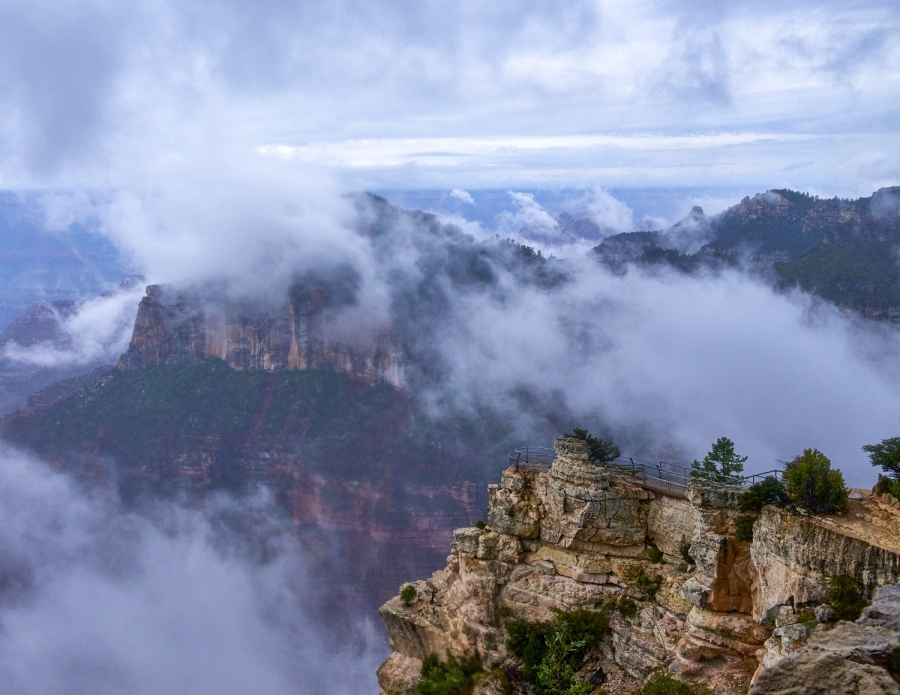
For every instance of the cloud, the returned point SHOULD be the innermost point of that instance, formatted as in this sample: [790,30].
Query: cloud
[100,85]
[530,213]
[98,331]
[610,214]
[668,363]
[462,195]
[97,600]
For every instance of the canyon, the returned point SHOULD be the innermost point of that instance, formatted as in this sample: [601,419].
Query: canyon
[712,608]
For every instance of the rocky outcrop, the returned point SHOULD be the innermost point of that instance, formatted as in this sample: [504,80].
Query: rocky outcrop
[178,327]
[852,658]
[715,609]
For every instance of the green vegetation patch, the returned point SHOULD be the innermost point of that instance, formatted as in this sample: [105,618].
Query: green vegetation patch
[886,455]
[408,594]
[654,554]
[721,464]
[448,678]
[661,683]
[744,527]
[813,485]
[768,491]
[600,450]
[846,595]
[649,585]
[153,422]
[552,652]
[887,486]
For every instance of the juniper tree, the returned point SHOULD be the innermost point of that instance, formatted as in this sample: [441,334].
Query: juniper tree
[721,464]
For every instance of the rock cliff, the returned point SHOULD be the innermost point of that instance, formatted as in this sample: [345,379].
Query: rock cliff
[852,658]
[713,609]
[178,327]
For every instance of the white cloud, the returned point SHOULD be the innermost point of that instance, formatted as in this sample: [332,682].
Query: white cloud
[462,195]
[97,600]
[667,361]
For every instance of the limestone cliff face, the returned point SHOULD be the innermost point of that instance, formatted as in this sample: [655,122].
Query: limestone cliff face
[175,327]
[577,536]
[853,658]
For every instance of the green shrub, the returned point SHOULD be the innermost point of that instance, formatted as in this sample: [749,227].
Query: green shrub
[628,608]
[511,512]
[449,678]
[552,652]
[661,683]
[654,554]
[584,625]
[649,585]
[846,596]
[807,616]
[480,525]
[812,484]
[601,450]
[886,454]
[684,548]
[768,491]
[503,612]
[408,594]
[744,527]
[886,486]
[721,464]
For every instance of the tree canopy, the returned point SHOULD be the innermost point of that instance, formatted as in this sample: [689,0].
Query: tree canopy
[886,454]
[721,464]
[601,450]
[813,485]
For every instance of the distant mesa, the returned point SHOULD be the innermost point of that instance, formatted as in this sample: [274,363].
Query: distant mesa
[182,326]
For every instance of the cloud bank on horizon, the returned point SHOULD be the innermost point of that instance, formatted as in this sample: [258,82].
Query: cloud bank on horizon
[458,95]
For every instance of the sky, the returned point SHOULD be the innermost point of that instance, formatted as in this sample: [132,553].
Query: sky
[439,94]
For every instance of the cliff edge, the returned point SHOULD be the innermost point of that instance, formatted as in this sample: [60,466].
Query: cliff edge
[712,609]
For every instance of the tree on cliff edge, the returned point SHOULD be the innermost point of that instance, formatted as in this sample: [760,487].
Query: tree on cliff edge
[600,450]
[812,484]
[721,464]
[886,454]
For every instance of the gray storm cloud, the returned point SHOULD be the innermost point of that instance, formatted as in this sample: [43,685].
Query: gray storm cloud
[688,359]
[96,600]
[99,87]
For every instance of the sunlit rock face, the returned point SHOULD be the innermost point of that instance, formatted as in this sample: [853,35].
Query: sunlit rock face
[174,327]
[576,536]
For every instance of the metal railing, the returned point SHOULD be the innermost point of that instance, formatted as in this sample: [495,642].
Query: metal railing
[532,458]
[658,475]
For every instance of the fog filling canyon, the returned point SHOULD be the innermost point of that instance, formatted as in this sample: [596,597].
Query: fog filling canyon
[222,148]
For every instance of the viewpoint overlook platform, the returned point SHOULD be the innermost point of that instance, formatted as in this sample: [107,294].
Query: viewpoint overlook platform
[660,476]
[689,594]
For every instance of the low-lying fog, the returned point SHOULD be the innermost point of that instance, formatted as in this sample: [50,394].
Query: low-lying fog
[96,601]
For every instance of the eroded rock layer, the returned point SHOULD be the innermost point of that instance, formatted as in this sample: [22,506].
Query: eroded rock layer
[174,327]
[714,609]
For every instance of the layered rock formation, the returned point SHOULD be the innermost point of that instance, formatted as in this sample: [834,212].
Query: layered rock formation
[853,658]
[577,536]
[177,327]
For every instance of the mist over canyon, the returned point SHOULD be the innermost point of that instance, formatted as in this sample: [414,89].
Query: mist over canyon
[374,394]
[283,284]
